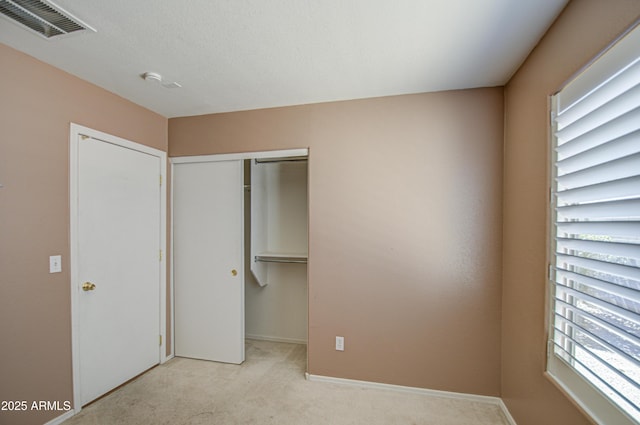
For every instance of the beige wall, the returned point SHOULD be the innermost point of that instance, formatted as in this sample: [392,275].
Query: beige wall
[405,230]
[583,30]
[37,103]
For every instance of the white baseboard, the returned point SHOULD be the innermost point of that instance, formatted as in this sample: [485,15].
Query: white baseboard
[496,401]
[61,418]
[276,339]
[506,413]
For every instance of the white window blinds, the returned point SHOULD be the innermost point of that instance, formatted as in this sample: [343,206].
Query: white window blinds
[595,275]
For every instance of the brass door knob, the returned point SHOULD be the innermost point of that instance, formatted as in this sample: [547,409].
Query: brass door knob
[234,272]
[88,286]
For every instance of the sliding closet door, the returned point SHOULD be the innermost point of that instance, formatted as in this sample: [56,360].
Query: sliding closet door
[208,260]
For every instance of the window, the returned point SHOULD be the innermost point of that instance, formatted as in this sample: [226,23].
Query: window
[594,335]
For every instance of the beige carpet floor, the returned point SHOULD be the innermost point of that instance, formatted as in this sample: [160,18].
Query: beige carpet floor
[269,388]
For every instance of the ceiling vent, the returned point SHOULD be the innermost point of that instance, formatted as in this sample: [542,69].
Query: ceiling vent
[43,17]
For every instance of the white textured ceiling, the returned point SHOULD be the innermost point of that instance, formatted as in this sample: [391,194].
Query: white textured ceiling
[245,54]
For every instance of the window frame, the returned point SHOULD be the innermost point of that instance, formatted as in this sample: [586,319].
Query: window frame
[594,403]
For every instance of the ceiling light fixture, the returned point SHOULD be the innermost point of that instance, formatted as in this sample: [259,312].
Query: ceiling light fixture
[157,78]
[152,76]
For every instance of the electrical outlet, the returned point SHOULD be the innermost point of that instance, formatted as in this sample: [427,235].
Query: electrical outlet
[339,343]
[55,264]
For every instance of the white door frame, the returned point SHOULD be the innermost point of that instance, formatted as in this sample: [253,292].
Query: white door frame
[76,131]
[215,158]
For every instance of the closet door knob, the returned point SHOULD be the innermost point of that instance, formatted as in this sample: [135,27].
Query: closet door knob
[234,272]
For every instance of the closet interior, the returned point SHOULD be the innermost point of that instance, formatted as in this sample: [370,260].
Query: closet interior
[276,249]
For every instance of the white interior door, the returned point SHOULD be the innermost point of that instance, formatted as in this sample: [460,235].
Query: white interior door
[119,242]
[208,261]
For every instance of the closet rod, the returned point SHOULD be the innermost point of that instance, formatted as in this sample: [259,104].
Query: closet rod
[281,159]
[270,259]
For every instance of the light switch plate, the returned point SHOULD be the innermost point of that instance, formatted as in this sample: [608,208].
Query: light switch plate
[55,264]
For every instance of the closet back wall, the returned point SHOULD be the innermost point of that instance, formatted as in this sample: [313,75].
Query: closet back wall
[404,229]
